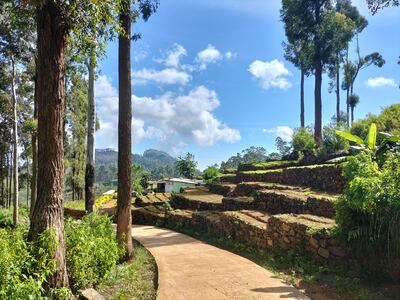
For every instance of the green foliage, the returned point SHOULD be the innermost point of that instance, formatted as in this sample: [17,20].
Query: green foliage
[370,142]
[139,178]
[332,143]
[25,266]
[92,250]
[249,155]
[186,166]
[387,121]
[282,146]
[210,174]
[77,122]
[134,280]
[303,142]
[368,214]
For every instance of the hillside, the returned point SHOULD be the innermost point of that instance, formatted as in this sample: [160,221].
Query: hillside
[158,163]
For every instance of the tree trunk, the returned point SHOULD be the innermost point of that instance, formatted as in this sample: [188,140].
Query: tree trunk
[352,115]
[90,150]
[318,104]
[49,208]
[302,123]
[124,216]
[27,182]
[337,89]
[34,147]
[15,147]
[2,179]
[348,106]
[10,189]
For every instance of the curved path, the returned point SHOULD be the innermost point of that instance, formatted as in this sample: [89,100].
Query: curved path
[190,269]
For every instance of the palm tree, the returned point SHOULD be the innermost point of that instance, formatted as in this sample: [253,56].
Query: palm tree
[353,101]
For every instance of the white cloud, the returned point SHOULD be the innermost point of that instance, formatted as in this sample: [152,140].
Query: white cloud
[285,132]
[270,74]
[166,76]
[380,82]
[208,56]
[173,56]
[230,55]
[173,121]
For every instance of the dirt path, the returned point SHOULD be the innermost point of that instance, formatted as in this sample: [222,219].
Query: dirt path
[190,269]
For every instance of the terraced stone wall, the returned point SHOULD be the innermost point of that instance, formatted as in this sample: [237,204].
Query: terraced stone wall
[276,203]
[291,232]
[327,178]
[219,189]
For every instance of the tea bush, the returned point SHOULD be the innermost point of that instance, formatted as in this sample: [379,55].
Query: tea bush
[25,266]
[92,250]
[303,142]
[368,214]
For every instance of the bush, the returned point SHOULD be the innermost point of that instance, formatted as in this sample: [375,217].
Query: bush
[103,200]
[368,214]
[92,250]
[303,142]
[332,143]
[25,266]
[210,174]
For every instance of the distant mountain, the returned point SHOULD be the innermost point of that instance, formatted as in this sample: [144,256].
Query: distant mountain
[159,163]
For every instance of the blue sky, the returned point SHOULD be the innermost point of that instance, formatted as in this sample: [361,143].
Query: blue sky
[209,78]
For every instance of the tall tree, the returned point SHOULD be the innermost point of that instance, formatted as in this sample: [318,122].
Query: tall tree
[124,216]
[77,117]
[143,9]
[186,166]
[316,21]
[298,49]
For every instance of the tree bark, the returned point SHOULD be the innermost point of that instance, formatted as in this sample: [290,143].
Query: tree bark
[337,89]
[124,216]
[15,147]
[2,179]
[302,123]
[90,150]
[27,182]
[48,211]
[34,147]
[318,104]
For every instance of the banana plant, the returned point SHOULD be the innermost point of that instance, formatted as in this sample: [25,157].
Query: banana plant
[390,143]
[368,144]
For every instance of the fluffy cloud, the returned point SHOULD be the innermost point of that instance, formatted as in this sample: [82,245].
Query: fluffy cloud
[285,132]
[166,76]
[173,121]
[271,74]
[207,56]
[380,82]
[173,56]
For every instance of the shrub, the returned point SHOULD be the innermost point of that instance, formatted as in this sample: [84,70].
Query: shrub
[92,250]
[368,214]
[210,174]
[332,143]
[25,266]
[303,142]
[103,200]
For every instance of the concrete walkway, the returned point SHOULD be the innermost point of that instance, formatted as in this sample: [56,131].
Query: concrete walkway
[189,269]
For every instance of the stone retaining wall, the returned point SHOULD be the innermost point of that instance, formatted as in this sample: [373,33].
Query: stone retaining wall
[277,203]
[284,231]
[179,201]
[292,234]
[219,189]
[279,165]
[326,178]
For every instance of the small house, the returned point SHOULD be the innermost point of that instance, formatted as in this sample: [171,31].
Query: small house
[173,184]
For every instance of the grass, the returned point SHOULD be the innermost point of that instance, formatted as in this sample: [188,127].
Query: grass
[134,280]
[77,204]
